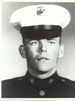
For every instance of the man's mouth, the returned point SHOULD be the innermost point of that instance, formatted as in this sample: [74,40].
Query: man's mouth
[42,59]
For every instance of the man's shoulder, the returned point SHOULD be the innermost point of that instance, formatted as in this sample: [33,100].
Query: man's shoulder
[66,85]
[10,82]
[67,82]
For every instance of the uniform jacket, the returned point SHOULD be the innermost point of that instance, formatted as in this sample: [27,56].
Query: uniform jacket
[30,87]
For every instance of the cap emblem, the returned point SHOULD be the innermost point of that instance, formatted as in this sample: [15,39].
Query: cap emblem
[40,10]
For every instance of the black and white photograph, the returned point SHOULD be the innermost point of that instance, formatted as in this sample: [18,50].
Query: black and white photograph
[38,50]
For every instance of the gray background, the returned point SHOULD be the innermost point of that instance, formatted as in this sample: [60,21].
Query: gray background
[13,64]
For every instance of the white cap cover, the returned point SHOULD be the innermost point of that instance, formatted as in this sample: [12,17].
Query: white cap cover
[46,14]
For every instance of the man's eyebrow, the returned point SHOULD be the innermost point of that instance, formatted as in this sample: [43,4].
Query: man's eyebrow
[27,40]
[52,39]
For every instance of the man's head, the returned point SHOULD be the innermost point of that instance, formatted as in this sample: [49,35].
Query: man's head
[41,27]
[42,55]
[41,47]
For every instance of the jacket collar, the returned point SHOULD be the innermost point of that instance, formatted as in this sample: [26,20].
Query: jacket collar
[42,83]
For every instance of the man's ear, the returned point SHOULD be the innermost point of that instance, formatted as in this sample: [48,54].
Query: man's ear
[22,51]
[61,51]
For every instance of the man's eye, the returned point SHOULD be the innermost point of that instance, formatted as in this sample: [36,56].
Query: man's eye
[52,42]
[33,42]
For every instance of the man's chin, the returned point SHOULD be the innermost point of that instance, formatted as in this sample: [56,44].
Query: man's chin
[43,70]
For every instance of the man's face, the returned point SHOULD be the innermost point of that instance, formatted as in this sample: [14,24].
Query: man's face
[42,54]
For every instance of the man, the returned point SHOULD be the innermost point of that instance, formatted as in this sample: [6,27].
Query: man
[41,27]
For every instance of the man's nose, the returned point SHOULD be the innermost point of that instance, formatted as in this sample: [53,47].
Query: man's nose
[42,46]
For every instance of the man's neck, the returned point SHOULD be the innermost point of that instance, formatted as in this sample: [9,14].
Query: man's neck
[42,75]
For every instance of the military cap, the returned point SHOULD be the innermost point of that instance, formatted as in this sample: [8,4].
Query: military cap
[41,21]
